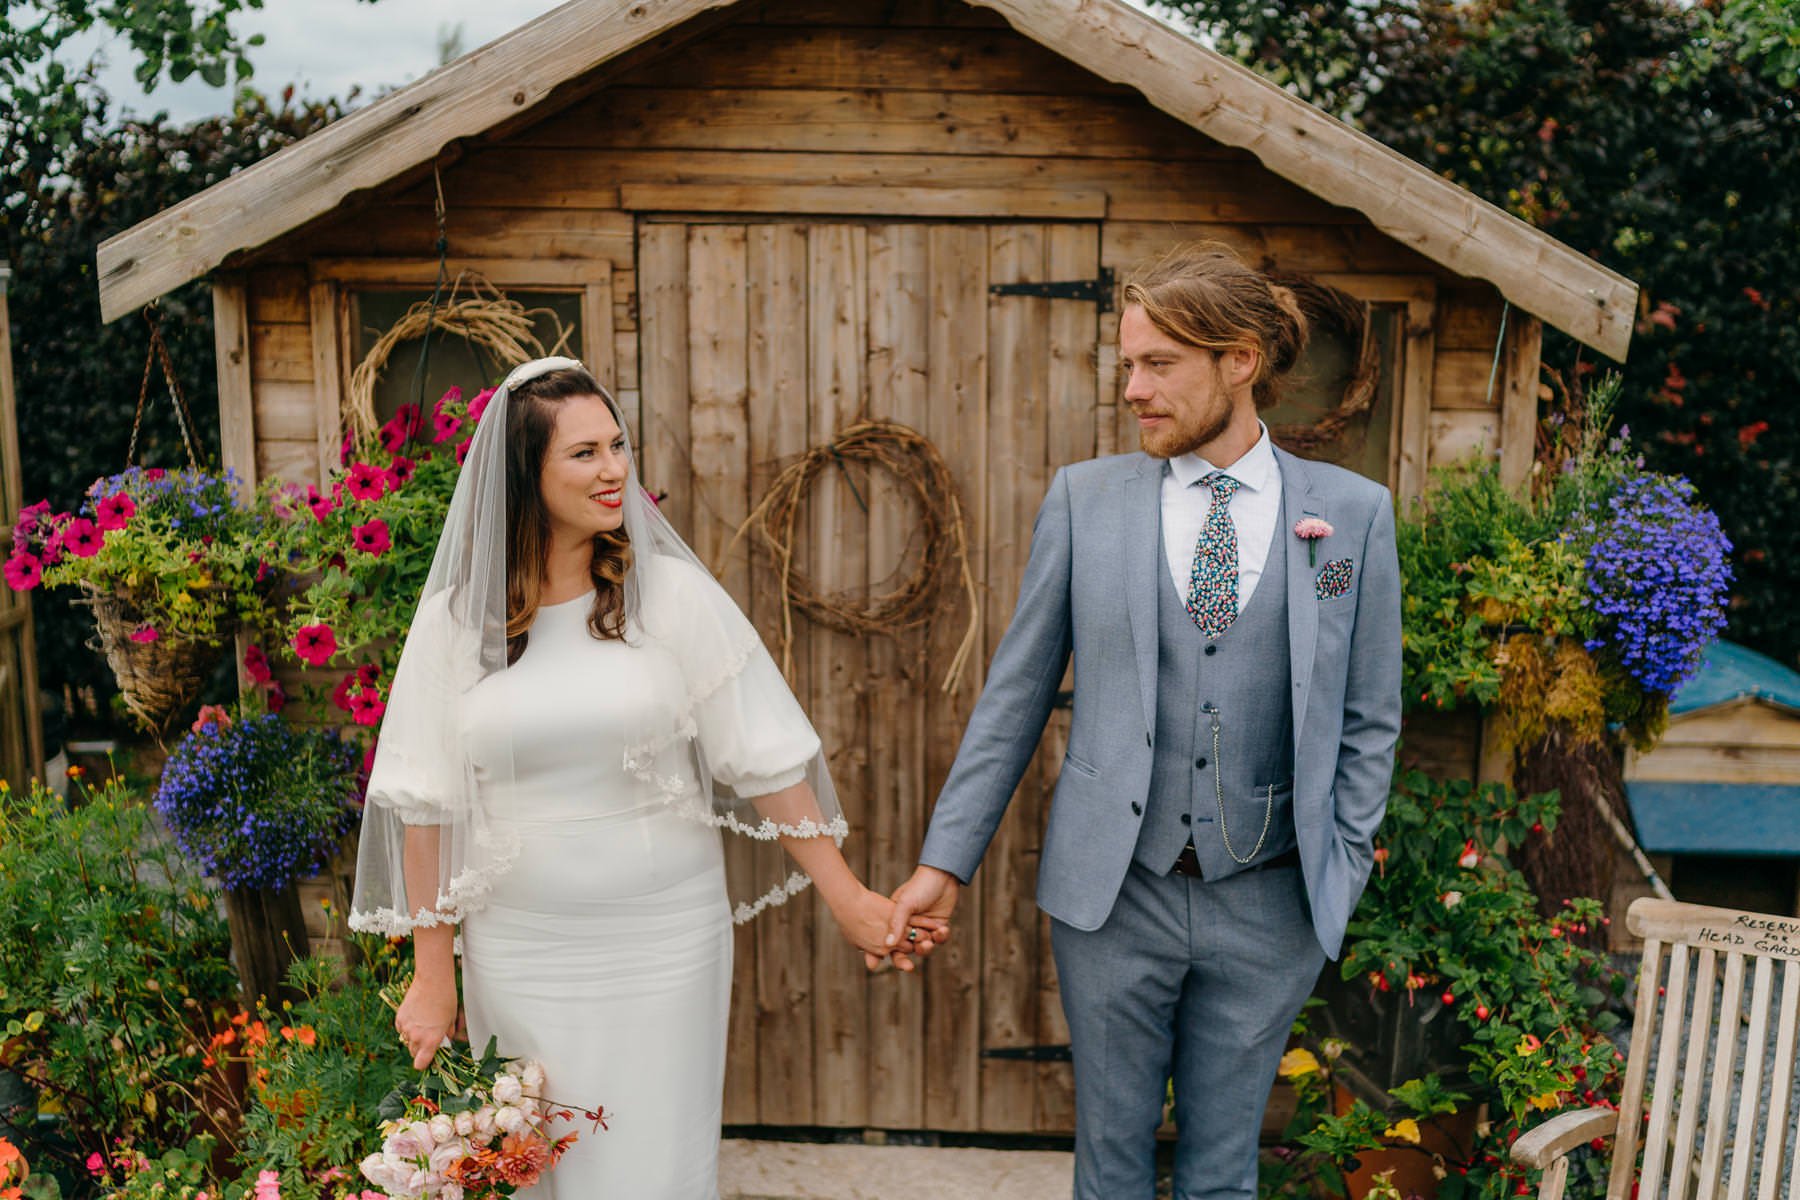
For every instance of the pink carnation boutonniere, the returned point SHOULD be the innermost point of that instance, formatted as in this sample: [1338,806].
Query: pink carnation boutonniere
[1311,529]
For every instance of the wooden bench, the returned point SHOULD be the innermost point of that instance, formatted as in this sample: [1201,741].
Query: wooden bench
[1710,1061]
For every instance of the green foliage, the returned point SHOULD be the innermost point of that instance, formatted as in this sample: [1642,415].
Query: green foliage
[1448,922]
[77,378]
[321,1071]
[113,970]
[1647,134]
[182,1173]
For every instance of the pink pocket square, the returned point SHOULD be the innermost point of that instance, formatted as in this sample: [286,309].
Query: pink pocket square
[1334,578]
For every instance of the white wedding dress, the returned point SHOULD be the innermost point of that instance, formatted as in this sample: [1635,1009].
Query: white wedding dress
[605,950]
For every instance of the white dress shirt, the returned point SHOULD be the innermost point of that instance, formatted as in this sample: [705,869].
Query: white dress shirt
[1254,510]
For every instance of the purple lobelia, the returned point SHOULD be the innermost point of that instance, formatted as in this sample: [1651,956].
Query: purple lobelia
[1658,578]
[258,803]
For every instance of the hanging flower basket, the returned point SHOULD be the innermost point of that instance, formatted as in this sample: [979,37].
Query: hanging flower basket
[158,675]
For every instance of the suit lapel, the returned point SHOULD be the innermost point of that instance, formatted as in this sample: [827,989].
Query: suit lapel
[1140,494]
[1298,501]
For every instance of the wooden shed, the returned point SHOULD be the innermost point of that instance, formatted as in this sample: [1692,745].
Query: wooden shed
[1717,801]
[766,218]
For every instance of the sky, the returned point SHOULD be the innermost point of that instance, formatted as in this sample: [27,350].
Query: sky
[326,47]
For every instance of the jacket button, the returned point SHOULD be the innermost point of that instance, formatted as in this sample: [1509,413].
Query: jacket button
[1212,649]
[1199,764]
[1137,810]
[1186,819]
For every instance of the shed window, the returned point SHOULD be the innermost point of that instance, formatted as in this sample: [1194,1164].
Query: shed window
[1318,384]
[453,360]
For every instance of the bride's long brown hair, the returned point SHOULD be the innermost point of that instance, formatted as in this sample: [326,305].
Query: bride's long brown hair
[530,424]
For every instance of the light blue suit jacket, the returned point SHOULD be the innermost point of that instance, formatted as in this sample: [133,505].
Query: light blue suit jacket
[1090,589]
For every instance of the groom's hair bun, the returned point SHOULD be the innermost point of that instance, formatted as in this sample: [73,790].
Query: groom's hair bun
[1204,295]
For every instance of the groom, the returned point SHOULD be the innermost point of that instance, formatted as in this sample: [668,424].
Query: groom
[1234,615]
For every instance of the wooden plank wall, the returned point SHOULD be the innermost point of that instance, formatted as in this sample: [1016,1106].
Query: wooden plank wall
[829,107]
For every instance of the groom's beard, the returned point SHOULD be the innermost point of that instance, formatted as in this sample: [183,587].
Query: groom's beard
[1177,439]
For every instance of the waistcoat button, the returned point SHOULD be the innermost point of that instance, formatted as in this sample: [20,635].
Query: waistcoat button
[1137,810]
[1212,649]
[1199,764]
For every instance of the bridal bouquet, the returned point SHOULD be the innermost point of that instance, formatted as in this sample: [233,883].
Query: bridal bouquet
[470,1129]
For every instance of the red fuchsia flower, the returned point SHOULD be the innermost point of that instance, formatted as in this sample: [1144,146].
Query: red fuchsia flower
[256,665]
[366,707]
[399,472]
[211,714]
[371,538]
[479,404]
[462,450]
[1470,856]
[144,635]
[24,571]
[315,644]
[115,511]
[82,539]
[367,481]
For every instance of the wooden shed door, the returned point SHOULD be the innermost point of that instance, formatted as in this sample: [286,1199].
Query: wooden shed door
[760,340]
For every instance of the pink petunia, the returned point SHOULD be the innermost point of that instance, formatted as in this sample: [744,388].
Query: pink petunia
[276,696]
[479,404]
[82,538]
[366,707]
[399,472]
[322,507]
[24,571]
[144,635]
[371,538]
[30,515]
[315,644]
[367,481]
[452,395]
[340,695]
[446,426]
[462,450]
[154,473]
[115,511]
[256,665]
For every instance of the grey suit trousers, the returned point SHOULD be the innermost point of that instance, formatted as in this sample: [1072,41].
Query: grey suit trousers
[1195,980]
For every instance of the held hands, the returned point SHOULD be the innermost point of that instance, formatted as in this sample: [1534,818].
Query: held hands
[865,918]
[426,1016]
[919,920]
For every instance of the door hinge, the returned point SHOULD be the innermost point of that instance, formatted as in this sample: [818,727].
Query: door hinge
[1030,1053]
[1094,291]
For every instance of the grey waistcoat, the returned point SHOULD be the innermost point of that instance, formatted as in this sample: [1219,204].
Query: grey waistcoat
[1246,678]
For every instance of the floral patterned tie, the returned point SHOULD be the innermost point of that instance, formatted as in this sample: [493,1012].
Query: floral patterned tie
[1212,598]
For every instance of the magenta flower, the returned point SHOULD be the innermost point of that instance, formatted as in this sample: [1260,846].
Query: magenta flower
[277,696]
[322,507]
[371,538]
[367,481]
[446,426]
[462,450]
[256,665]
[23,571]
[479,404]
[366,707]
[315,644]
[399,472]
[81,538]
[31,514]
[452,395]
[115,511]
[144,634]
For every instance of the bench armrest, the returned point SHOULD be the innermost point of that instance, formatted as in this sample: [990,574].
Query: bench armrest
[1543,1145]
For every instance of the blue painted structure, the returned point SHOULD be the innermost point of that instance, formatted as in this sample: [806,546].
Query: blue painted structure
[1705,817]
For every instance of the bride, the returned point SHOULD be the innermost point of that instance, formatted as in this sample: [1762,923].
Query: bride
[579,713]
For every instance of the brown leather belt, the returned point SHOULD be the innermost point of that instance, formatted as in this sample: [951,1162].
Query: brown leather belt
[1189,862]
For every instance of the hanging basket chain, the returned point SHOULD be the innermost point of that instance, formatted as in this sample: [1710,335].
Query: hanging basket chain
[941,535]
[157,355]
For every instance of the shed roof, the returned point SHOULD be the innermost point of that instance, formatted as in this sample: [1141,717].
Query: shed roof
[1732,672]
[1213,94]
[1759,820]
